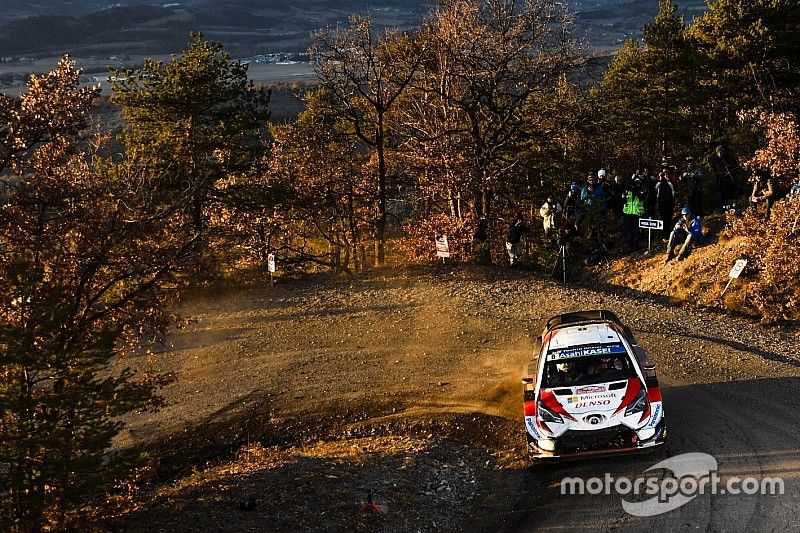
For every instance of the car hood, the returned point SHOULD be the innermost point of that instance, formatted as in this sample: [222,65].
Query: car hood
[592,407]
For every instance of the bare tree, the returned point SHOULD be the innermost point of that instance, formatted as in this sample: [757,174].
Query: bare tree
[485,60]
[366,71]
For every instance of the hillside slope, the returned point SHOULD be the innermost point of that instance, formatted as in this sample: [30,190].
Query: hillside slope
[698,280]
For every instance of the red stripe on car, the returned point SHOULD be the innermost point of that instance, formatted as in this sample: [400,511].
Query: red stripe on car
[654,394]
[634,386]
[551,402]
[530,408]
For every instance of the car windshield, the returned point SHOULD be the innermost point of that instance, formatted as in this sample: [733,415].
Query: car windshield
[587,365]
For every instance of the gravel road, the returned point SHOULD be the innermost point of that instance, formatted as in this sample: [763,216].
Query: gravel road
[406,384]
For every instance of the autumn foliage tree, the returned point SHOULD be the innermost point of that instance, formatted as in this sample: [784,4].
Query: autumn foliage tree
[325,213]
[52,112]
[87,254]
[366,71]
[773,246]
[487,59]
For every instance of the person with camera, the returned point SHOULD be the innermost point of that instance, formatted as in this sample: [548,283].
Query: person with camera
[665,198]
[549,210]
[632,210]
[574,210]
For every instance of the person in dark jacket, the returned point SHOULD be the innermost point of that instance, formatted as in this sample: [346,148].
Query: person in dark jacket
[693,181]
[725,170]
[574,209]
[650,206]
[665,200]
[514,238]
[616,193]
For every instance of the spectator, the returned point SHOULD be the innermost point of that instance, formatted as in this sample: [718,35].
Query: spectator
[602,181]
[763,191]
[616,193]
[592,194]
[670,170]
[724,168]
[795,189]
[665,200]
[649,183]
[693,181]
[602,175]
[514,238]
[573,206]
[686,231]
[548,212]
[594,202]
[566,234]
[632,211]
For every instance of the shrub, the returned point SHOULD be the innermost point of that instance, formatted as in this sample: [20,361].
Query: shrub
[772,250]
[418,246]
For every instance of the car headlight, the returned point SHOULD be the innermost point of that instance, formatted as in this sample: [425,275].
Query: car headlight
[646,433]
[546,415]
[639,405]
[548,445]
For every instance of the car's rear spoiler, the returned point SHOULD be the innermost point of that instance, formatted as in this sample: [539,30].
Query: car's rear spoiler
[598,315]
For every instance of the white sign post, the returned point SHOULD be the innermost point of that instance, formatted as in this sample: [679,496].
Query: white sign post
[442,246]
[271,268]
[736,271]
[650,224]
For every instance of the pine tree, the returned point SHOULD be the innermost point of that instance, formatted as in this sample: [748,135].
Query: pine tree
[649,93]
[752,55]
[196,122]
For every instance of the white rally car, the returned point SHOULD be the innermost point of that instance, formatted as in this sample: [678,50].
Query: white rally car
[590,390]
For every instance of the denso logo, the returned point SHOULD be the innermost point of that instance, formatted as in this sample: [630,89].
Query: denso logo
[589,390]
[592,403]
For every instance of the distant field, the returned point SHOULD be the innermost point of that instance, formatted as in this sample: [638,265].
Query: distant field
[246,27]
[96,71]
[250,27]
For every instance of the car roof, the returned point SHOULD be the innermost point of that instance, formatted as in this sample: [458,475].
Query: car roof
[583,335]
[594,315]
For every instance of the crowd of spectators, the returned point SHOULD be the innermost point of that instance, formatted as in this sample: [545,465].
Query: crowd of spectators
[600,208]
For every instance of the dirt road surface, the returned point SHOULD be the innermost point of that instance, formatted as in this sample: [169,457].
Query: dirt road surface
[293,404]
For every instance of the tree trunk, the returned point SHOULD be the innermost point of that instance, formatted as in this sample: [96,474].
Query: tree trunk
[380,219]
[197,212]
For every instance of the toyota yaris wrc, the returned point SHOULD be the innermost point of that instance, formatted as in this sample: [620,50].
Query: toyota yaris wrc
[590,390]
